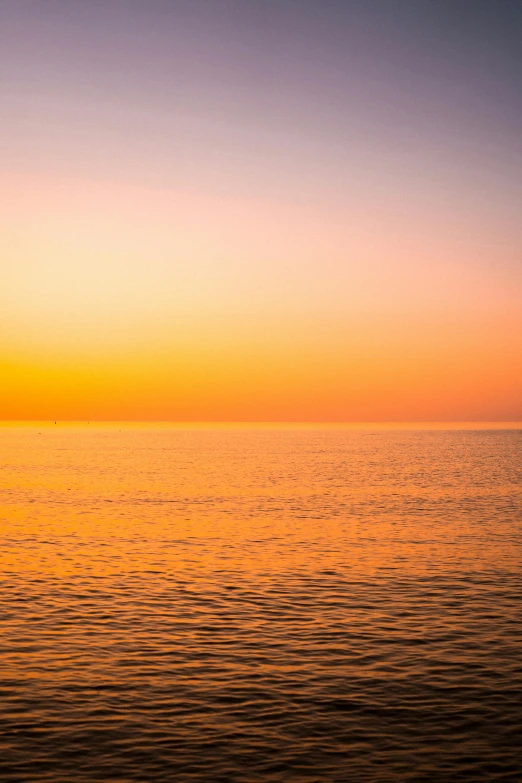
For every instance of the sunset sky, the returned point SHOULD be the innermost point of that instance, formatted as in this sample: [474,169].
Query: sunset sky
[261,210]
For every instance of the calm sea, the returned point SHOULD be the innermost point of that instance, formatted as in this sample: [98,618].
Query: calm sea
[245,605]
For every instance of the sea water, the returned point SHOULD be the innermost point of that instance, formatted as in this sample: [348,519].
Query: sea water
[260,604]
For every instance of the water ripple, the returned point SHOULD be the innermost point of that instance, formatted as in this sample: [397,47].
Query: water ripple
[255,606]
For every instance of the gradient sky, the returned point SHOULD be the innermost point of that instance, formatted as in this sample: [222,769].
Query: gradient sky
[261,210]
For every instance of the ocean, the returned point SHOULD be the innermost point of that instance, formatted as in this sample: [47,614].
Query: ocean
[260,604]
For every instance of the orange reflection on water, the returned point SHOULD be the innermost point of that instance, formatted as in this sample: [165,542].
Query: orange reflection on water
[114,499]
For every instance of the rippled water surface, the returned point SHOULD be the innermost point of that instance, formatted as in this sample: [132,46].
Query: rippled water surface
[260,605]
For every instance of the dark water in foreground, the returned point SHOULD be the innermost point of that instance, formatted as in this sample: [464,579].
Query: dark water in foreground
[249,605]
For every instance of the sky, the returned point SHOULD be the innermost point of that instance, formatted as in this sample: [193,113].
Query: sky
[261,210]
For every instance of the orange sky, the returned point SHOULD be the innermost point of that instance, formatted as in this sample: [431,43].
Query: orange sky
[210,249]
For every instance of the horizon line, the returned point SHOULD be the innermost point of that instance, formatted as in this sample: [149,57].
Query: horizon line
[414,424]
